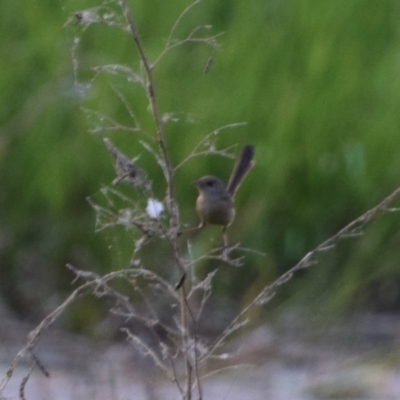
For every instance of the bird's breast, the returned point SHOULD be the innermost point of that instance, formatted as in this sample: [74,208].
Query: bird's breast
[215,210]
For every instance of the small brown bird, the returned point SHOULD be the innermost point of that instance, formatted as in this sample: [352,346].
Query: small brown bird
[214,205]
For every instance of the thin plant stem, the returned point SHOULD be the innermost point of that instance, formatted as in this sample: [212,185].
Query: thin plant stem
[352,230]
[170,197]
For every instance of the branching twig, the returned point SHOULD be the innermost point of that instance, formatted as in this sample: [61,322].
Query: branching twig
[130,111]
[216,254]
[103,123]
[353,229]
[206,146]
[170,44]
[210,40]
[206,287]
[147,350]
[46,322]
[171,204]
[132,76]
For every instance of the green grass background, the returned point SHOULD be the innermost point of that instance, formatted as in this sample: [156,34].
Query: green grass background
[316,82]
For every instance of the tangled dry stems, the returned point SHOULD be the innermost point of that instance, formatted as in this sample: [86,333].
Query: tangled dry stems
[182,342]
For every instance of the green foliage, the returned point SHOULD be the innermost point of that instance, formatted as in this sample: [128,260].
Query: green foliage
[316,82]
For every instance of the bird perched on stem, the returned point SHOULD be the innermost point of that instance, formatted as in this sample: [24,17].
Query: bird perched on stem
[214,205]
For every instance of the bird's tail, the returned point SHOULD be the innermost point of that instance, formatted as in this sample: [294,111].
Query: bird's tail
[242,167]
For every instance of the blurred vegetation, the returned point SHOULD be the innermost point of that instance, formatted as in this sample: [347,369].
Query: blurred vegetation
[317,84]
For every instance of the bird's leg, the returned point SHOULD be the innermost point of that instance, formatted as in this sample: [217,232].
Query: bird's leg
[225,245]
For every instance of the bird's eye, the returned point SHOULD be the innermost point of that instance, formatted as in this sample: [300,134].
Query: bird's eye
[210,183]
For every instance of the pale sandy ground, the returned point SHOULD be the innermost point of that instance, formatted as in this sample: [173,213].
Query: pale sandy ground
[356,359]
